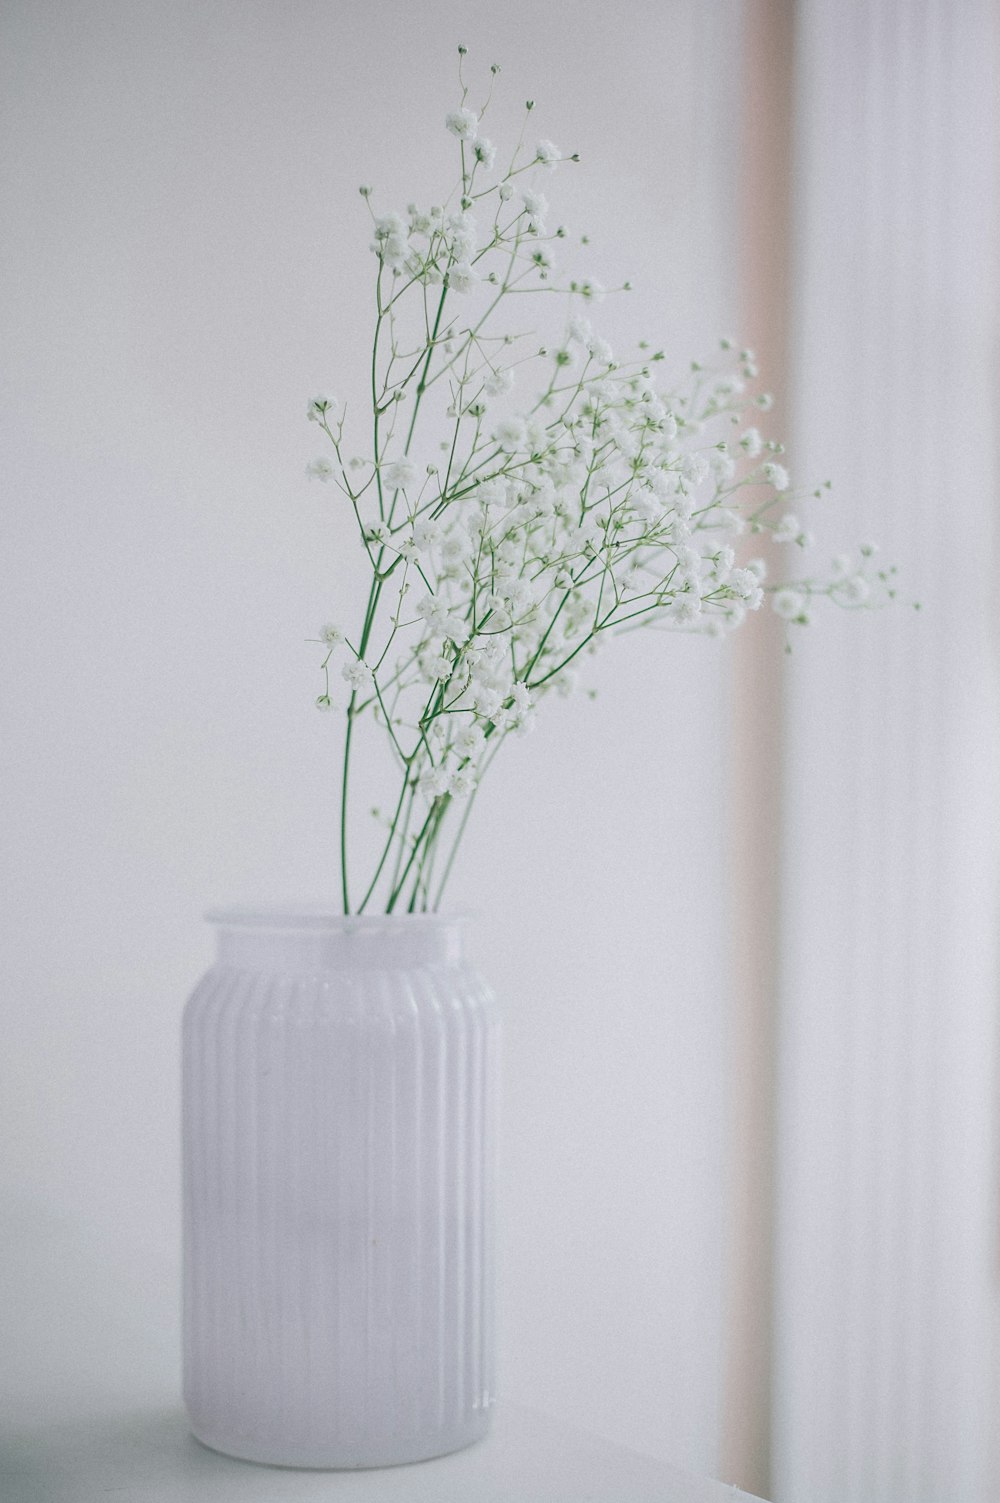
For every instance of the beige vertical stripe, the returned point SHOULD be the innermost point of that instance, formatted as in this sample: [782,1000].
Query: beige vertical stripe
[755,775]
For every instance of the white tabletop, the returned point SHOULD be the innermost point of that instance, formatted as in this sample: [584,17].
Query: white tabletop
[146,1454]
[90,1410]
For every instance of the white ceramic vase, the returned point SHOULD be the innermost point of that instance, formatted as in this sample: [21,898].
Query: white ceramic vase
[339,1098]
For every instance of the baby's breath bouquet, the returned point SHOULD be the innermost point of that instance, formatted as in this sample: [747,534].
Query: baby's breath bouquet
[521,502]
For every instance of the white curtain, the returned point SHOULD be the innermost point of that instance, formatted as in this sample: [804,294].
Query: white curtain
[886,1275]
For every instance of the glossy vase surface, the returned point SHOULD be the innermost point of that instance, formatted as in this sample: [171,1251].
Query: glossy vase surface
[338,1106]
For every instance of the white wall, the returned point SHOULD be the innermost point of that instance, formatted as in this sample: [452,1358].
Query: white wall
[187,261]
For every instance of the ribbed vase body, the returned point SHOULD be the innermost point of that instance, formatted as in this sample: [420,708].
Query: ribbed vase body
[339,1091]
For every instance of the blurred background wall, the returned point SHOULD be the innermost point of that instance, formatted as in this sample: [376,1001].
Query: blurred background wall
[187,261]
[748,1182]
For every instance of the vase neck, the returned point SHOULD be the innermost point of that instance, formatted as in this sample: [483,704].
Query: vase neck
[303,939]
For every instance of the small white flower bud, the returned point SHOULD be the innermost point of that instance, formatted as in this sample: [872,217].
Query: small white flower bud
[319,469]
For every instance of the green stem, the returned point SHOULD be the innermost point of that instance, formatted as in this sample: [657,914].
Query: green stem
[343,806]
[484,769]
[454,848]
[425,868]
[403,833]
[422,383]
[388,845]
[418,841]
[373,598]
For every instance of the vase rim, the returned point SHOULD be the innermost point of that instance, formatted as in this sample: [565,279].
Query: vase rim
[320,917]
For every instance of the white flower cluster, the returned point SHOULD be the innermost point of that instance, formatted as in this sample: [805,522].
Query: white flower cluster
[602,502]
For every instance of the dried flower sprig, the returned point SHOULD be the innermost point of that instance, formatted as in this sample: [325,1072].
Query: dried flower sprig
[544,519]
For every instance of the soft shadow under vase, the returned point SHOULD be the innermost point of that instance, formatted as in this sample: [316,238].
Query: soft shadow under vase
[339,1099]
